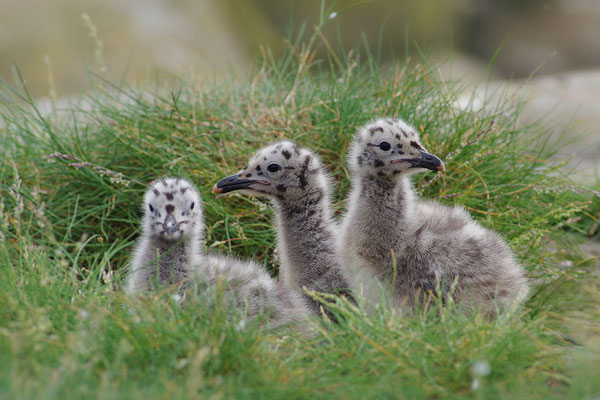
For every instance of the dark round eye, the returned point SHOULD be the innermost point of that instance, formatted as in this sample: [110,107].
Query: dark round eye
[192,206]
[273,167]
[385,146]
[151,208]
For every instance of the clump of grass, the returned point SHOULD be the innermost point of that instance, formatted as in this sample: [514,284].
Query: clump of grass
[72,180]
[496,167]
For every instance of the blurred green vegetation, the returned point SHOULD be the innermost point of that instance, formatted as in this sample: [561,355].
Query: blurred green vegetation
[52,47]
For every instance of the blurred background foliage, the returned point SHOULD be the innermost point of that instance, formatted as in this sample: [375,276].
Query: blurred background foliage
[52,46]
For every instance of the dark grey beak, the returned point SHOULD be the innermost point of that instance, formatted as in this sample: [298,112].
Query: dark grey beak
[428,161]
[232,183]
[170,225]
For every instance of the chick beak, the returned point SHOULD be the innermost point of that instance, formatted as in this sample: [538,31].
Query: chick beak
[428,161]
[170,225]
[234,182]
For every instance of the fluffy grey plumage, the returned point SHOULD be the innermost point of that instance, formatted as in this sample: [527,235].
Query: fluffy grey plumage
[298,185]
[172,235]
[245,286]
[429,241]
[170,252]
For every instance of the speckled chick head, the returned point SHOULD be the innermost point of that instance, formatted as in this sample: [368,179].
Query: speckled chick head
[390,147]
[281,171]
[172,210]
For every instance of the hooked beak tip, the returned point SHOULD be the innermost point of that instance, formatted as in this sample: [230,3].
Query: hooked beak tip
[216,189]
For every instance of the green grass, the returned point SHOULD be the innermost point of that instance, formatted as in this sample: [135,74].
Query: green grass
[66,331]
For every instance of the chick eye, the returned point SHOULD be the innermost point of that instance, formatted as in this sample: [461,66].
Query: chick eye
[192,206]
[273,167]
[385,146]
[151,208]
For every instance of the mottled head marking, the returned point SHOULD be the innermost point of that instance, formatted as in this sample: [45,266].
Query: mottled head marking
[287,172]
[387,148]
[172,210]
[416,145]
